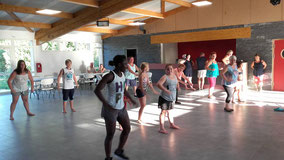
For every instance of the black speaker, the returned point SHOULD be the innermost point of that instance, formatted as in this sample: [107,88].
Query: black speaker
[275,2]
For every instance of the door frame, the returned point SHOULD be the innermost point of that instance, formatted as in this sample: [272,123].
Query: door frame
[273,57]
[125,53]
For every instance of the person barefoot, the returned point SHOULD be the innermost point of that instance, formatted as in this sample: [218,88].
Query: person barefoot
[68,90]
[168,84]
[141,90]
[18,83]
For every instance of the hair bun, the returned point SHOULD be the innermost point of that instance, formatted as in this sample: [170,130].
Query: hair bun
[111,63]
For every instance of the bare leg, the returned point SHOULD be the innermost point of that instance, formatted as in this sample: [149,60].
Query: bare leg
[202,83]
[125,123]
[13,106]
[72,106]
[64,106]
[110,129]
[126,87]
[171,120]
[26,104]
[211,91]
[199,83]
[134,90]
[142,102]
[162,122]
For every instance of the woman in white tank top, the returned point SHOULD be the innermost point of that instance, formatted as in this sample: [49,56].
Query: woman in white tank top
[113,106]
[18,83]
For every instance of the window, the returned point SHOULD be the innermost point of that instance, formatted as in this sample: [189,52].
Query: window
[65,46]
[98,54]
[50,46]
[10,52]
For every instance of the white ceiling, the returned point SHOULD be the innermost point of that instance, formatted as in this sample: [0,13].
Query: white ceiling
[154,5]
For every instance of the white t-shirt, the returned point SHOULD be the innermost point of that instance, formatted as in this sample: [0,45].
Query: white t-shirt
[68,81]
[92,70]
[116,91]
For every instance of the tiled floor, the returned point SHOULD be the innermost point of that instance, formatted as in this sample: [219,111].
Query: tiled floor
[253,132]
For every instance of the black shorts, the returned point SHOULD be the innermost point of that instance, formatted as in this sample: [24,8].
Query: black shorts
[139,93]
[164,104]
[68,93]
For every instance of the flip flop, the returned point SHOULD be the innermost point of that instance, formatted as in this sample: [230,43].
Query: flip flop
[279,109]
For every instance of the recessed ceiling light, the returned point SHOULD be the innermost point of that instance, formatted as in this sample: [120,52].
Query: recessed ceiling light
[48,11]
[202,3]
[137,23]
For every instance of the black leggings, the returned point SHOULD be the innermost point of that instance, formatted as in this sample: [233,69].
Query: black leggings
[177,95]
[229,91]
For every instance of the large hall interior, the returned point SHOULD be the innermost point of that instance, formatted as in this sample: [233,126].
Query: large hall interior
[141,79]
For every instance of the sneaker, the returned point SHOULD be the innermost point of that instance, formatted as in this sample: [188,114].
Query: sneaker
[121,155]
[177,102]
[279,109]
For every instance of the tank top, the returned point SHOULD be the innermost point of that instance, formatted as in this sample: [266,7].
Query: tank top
[214,73]
[188,69]
[171,85]
[116,91]
[20,83]
[129,75]
[68,81]
[258,69]
[232,73]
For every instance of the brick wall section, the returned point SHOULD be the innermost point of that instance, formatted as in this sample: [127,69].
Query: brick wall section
[118,45]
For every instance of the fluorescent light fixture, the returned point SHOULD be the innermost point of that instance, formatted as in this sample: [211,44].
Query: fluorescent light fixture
[137,23]
[201,3]
[48,11]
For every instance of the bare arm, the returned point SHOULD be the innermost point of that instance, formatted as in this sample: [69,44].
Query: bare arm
[223,73]
[75,80]
[264,64]
[98,91]
[208,63]
[161,86]
[187,80]
[224,60]
[130,70]
[11,78]
[129,97]
[137,69]
[31,80]
[151,86]
[252,65]
[59,77]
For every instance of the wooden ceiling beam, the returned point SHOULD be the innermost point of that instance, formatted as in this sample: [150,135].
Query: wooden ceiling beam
[144,12]
[147,21]
[179,2]
[163,6]
[116,21]
[89,3]
[16,18]
[136,18]
[24,24]
[86,16]
[30,10]
[97,30]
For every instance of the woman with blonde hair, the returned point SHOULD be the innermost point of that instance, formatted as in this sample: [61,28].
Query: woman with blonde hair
[141,91]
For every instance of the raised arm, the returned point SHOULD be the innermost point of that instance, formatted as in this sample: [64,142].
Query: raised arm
[31,80]
[11,78]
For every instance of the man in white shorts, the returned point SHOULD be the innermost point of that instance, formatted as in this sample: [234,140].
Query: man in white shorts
[201,71]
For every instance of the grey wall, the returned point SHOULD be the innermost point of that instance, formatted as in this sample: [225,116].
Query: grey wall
[260,42]
[118,45]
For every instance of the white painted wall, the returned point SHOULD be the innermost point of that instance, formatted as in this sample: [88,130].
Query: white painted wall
[169,53]
[53,61]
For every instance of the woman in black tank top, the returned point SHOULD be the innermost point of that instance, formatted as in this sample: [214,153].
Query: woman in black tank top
[258,66]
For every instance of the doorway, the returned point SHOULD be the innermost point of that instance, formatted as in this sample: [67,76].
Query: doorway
[132,53]
[278,65]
